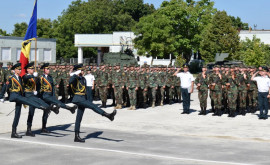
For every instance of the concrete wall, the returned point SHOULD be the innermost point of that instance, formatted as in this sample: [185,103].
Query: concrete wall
[14,44]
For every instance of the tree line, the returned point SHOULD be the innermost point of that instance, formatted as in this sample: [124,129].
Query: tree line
[177,28]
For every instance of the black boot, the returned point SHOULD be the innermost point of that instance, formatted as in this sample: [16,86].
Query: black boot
[46,109]
[145,105]
[248,109]
[103,105]
[215,112]
[14,134]
[78,138]
[233,113]
[243,112]
[55,108]
[72,109]
[29,132]
[44,129]
[219,112]
[110,115]
[202,111]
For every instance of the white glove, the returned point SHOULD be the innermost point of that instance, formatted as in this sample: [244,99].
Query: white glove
[35,92]
[77,73]
[2,100]
[35,74]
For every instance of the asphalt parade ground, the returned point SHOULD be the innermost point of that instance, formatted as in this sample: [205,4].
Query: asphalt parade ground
[156,136]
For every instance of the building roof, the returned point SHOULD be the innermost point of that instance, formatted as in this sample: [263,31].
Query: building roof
[264,35]
[21,38]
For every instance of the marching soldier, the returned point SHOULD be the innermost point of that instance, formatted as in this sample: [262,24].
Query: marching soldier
[48,95]
[16,95]
[29,85]
[78,85]
[202,85]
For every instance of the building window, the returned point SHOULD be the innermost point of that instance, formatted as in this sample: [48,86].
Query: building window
[32,55]
[18,54]
[6,54]
[47,55]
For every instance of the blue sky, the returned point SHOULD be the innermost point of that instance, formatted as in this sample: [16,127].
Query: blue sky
[17,11]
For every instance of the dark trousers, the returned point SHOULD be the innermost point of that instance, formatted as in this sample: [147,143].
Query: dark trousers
[3,91]
[81,107]
[89,94]
[31,112]
[263,103]
[53,100]
[17,115]
[186,99]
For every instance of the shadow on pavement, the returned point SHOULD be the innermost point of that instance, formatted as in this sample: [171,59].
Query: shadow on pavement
[97,134]
[53,130]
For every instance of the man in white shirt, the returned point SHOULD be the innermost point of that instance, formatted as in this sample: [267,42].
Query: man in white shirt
[90,84]
[263,84]
[187,87]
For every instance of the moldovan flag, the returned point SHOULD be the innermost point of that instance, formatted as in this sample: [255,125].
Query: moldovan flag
[30,35]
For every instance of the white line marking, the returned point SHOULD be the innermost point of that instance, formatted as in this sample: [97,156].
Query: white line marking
[122,152]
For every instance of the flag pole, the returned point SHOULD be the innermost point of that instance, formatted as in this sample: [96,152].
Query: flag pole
[36,54]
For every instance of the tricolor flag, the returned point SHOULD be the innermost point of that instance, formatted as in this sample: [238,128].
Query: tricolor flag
[30,35]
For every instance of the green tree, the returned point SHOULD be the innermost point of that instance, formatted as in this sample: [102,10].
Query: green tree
[44,28]
[219,37]
[93,17]
[3,33]
[175,28]
[254,52]
[20,29]
[237,22]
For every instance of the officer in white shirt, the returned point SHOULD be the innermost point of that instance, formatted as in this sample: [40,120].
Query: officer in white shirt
[187,87]
[263,83]
[90,84]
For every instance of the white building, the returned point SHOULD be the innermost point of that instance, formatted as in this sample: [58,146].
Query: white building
[10,49]
[264,35]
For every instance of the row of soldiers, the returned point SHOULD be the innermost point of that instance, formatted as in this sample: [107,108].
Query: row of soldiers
[231,90]
[129,86]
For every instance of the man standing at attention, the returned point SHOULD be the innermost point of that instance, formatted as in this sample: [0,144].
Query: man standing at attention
[187,86]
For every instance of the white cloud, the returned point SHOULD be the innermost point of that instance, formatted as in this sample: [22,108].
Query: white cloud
[22,15]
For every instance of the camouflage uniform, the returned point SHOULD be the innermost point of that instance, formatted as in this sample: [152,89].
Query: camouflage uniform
[143,87]
[202,91]
[232,93]
[170,84]
[252,94]
[118,83]
[132,84]
[216,92]
[152,84]
[103,86]
[2,77]
[242,90]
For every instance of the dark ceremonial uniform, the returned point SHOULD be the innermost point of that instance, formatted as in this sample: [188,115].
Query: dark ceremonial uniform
[48,95]
[16,95]
[78,86]
[29,85]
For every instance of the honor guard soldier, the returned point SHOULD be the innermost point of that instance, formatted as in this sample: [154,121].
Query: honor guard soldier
[78,85]
[48,95]
[16,95]
[29,85]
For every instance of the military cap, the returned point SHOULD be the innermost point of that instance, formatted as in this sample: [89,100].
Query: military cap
[185,65]
[204,66]
[30,66]
[217,66]
[265,69]
[10,63]
[78,67]
[45,66]
[16,66]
